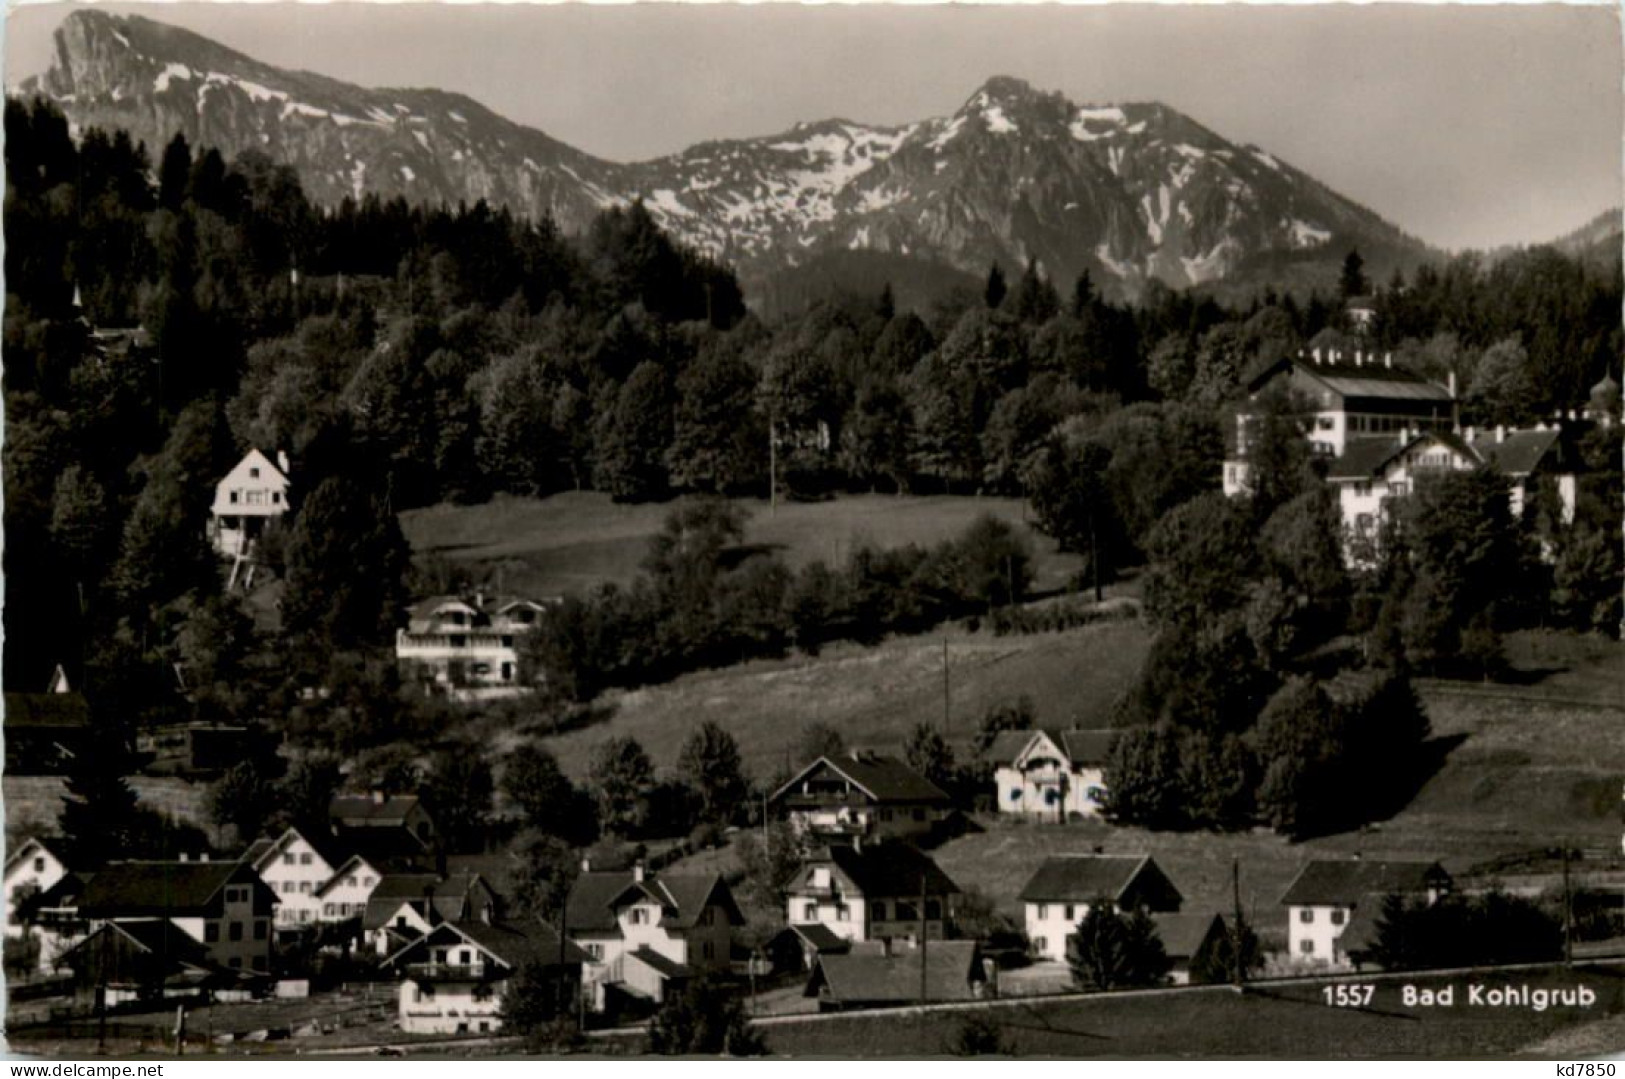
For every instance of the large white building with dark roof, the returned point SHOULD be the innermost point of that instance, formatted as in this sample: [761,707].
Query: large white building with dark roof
[467,646]
[861,795]
[1066,886]
[1332,906]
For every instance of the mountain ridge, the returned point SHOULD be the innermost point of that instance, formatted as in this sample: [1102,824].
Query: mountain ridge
[1128,192]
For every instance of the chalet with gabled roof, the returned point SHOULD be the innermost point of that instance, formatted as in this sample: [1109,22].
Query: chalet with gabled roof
[453,978]
[1065,887]
[881,975]
[246,500]
[863,795]
[467,646]
[405,906]
[367,816]
[647,934]
[30,871]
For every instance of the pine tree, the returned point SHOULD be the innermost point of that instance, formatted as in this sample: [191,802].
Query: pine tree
[994,291]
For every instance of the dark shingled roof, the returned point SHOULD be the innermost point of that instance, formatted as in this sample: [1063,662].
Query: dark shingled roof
[1080,747]
[666,968]
[446,899]
[870,977]
[371,812]
[1343,883]
[1373,378]
[514,944]
[1520,453]
[46,710]
[160,889]
[887,870]
[1183,934]
[821,938]
[885,779]
[1083,877]
[684,897]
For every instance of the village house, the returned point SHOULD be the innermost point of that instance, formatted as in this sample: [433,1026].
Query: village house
[646,934]
[454,977]
[345,894]
[358,819]
[1382,428]
[1188,939]
[1326,896]
[862,795]
[1047,773]
[154,961]
[1060,893]
[252,495]
[31,870]
[872,891]
[883,974]
[222,905]
[294,866]
[467,647]
[403,907]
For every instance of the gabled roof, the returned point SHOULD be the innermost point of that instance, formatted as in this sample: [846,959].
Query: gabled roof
[660,964]
[162,889]
[366,811]
[883,779]
[513,944]
[683,897]
[869,977]
[26,849]
[1080,747]
[1342,883]
[256,850]
[438,900]
[1183,935]
[885,870]
[64,894]
[354,863]
[1519,453]
[325,847]
[819,937]
[1371,379]
[1080,878]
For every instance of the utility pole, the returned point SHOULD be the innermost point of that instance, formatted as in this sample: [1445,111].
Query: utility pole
[1238,960]
[925,992]
[772,468]
[1568,911]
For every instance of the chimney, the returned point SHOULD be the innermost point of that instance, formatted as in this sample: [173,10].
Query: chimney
[586,865]
[203,856]
[1500,433]
[377,798]
[637,871]
[1388,359]
[185,857]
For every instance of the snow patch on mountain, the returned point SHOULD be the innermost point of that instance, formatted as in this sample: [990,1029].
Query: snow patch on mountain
[997,122]
[170,71]
[1303,234]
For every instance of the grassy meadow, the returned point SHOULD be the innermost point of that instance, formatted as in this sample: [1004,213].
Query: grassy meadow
[571,542]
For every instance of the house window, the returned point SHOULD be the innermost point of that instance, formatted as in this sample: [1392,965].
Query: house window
[304,858]
[1069,915]
[211,933]
[878,911]
[288,887]
[330,909]
[1337,917]
[1015,794]
[458,640]
[465,957]
[1307,947]
[640,916]
[253,473]
[276,498]
[350,880]
[400,921]
[843,913]
[595,950]
[39,865]
[1362,489]
[933,910]
[259,928]
[232,498]
[1040,944]
[1306,916]
[1043,911]
[1399,488]
[287,859]
[809,911]
[236,931]
[485,1025]
[304,887]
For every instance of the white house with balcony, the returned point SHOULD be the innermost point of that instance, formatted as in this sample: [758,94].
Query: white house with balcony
[872,891]
[454,977]
[345,894]
[250,497]
[467,647]
[1050,774]
[294,866]
[1332,906]
[646,936]
[861,795]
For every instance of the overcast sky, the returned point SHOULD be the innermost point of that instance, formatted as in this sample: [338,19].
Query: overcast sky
[1465,125]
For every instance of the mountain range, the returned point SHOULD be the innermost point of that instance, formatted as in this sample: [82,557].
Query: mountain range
[1129,193]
